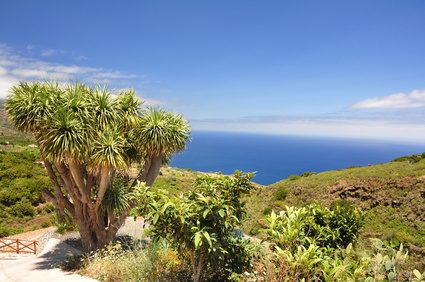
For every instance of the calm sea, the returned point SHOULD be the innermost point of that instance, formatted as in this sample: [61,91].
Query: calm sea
[277,157]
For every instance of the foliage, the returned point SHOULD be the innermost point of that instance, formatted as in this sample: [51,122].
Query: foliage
[341,204]
[314,225]
[22,208]
[313,263]
[117,198]
[201,221]
[391,193]
[63,225]
[419,277]
[307,174]
[132,261]
[281,193]
[267,210]
[411,159]
[21,182]
[86,136]
[303,253]
[293,177]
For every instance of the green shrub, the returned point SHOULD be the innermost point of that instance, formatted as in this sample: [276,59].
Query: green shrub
[255,229]
[45,224]
[22,208]
[200,223]
[267,211]
[307,174]
[293,177]
[342,204]
[321,226]
[49,208]
[281,194]
[413,158]
[7,231]
[280,204]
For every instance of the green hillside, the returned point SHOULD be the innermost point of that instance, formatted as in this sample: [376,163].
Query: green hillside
[391,195]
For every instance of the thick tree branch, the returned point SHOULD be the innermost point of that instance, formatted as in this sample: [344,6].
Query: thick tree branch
[105,179]
[79,180]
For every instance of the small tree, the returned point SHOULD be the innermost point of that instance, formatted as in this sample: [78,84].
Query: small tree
[86,137]
[200,223]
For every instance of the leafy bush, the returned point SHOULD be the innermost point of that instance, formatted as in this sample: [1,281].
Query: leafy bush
[313,263]
[307,174]
[318,224]
[307,245]
[22,208]
[8,231]
[267,211]
[132,261]
[336,228]
[45,224]
[200,223]
[412,159]
[293,177]
[281,193]
[342,204]
[255,229]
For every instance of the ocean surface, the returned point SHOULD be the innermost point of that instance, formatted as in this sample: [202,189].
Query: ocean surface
[277,157]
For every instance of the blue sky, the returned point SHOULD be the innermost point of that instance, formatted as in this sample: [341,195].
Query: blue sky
[350,69]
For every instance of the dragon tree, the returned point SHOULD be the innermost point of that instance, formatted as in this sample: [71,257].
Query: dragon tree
[88,137]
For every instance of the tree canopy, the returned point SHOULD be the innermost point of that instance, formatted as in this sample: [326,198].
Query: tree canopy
[87,137]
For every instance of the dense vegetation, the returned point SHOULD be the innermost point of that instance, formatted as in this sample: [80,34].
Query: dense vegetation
[314,243]
[356,224]
[21,181]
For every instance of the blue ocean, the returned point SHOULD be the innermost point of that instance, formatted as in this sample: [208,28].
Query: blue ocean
[276,157]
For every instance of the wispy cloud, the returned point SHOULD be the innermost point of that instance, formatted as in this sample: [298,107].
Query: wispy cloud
[414,99]
[80,58]
[15,67]
[51,52]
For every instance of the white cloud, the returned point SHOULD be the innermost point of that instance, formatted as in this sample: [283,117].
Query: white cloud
[51,52]
[15,67]
[29,68]
[80,58]
[6,82]
[414,99]
[25,73]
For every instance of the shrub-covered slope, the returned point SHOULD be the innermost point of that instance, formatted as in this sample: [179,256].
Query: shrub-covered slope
[21,181]
[392,196]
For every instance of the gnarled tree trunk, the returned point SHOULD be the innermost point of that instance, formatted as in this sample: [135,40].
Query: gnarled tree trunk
[96,227]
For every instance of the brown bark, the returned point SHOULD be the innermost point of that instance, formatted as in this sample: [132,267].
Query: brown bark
[150,170]
[73,186]
[154,168]
[95,231]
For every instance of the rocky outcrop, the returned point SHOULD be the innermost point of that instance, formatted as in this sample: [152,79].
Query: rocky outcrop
[407,192]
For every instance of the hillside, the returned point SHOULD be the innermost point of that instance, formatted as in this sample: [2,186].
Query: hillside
[392,196]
